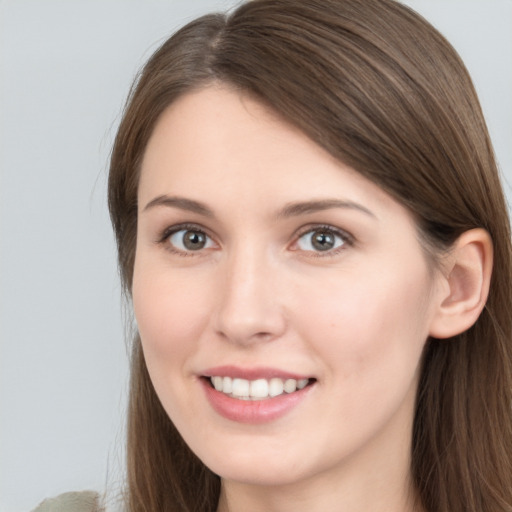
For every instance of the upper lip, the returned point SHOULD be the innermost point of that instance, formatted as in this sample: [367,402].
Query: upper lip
[253,373]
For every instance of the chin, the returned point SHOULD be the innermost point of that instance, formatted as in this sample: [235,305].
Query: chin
[256,466]
[260,474]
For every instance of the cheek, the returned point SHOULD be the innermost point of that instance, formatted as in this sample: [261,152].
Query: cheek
[369,335]
[370,324]
[169,310]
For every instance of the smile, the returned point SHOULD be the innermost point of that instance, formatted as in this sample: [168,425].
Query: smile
[254,395]
[259,389]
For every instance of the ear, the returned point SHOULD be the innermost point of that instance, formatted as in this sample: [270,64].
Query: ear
[465,287]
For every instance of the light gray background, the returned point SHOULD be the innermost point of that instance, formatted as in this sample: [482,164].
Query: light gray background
[65,69]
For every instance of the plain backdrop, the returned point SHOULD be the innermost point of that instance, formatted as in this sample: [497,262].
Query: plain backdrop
[65,70]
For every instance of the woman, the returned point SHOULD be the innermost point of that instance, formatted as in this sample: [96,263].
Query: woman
[312,229]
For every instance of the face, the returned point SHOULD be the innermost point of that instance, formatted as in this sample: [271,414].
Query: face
[283,301]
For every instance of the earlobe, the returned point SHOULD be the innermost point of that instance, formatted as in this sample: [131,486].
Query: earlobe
[467,278]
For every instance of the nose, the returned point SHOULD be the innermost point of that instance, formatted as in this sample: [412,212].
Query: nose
[250,306]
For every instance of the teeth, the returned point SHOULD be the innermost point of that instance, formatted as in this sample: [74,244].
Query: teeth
[259,388]
[276,387]
[227,385]
[256,389]
[302,383]
[217,383]
[290,385]
[240,388]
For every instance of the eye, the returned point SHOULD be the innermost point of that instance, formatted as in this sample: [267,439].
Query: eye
[189,239]
[321,240]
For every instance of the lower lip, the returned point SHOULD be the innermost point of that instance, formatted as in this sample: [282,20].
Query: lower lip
[253,411]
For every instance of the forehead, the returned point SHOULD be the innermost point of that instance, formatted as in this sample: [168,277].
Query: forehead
[220,145]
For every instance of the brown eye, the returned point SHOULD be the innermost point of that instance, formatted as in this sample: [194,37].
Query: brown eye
[190,240]
[321,240]
[194,240]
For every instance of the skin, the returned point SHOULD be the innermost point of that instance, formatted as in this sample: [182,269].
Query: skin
[355,318]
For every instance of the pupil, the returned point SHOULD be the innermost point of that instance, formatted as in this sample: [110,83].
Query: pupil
[323,240]
[193,240]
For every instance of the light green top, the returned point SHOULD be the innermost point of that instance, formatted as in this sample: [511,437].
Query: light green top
[84,501]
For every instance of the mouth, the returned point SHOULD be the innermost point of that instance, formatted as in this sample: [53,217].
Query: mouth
[258,389]
[255,395]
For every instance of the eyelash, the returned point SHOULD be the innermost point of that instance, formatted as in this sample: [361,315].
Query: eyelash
[346,238]
[168,232]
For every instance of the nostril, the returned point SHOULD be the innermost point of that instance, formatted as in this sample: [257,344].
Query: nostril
[262,334]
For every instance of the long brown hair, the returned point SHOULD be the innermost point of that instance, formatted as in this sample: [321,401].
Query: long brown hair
[379,88]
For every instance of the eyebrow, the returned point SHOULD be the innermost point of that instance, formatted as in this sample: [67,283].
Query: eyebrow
[182,203]
[289,210]
[306,207]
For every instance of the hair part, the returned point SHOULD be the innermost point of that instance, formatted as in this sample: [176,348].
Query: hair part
[382,91]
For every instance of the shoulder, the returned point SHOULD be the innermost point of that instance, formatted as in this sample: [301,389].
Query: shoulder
[83,501]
